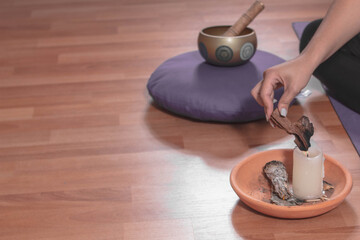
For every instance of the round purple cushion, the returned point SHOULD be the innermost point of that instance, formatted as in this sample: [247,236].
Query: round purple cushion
[188,86]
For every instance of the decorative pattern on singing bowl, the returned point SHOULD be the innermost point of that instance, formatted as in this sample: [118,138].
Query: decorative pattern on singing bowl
[253,188]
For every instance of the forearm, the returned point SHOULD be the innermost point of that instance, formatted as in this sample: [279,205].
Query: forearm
[341,23]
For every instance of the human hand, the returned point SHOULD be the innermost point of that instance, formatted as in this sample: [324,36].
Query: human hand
[292,75]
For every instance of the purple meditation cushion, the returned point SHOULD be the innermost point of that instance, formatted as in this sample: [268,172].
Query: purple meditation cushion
[188,86]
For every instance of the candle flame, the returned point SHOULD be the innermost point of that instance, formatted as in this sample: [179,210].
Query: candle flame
[306,153]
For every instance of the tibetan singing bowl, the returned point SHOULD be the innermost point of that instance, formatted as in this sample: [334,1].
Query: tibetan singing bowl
[226,51]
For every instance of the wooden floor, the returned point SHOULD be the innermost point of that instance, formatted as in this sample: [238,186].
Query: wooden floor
[85,155]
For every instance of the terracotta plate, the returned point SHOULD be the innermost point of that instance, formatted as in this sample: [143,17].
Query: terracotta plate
[253,188]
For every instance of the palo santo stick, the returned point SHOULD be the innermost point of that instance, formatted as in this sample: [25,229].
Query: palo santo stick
[245,19]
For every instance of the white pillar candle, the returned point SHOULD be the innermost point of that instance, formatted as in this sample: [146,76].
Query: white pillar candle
[308,173]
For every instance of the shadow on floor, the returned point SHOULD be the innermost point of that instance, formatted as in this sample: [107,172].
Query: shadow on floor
[210,140]
[250,224]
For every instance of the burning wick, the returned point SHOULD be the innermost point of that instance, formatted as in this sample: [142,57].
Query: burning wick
[306,153]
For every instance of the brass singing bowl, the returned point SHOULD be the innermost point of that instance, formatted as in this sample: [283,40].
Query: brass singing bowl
[226,51]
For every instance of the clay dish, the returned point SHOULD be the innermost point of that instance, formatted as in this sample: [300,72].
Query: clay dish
[253,188]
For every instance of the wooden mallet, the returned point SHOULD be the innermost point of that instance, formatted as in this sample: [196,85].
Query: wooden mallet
[245,19]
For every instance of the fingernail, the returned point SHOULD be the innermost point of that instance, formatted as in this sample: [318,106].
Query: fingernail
[283,112]
[271,124]
[267,119]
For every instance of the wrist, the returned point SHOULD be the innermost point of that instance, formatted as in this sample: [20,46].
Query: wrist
[309,62]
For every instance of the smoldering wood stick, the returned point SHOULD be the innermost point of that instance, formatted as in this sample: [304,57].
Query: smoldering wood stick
[245,19]
[303,129]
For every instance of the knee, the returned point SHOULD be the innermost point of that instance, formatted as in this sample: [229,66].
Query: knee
[308,33]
